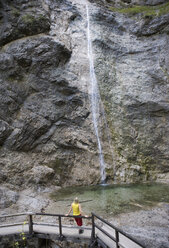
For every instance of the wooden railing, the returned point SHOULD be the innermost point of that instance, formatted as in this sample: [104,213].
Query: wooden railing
[60,216]
[94,235]
[29,217]
[30,221]
[116,240]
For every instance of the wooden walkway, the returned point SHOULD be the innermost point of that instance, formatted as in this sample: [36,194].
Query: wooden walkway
[99,234]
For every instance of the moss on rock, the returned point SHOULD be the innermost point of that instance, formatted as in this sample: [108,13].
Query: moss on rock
[146,11]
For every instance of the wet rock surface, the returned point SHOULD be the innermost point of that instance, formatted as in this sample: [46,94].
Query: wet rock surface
[44,107]
[45,110]
[131,66]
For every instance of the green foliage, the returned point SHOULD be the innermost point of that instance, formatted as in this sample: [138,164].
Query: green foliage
[165,71]
[22,242]
[42,18]
[146,11]
[23,236]
[16,244]
[164,9]
[28,18]
[15,12]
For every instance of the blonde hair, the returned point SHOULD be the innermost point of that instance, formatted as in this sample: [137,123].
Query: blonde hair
[76,200]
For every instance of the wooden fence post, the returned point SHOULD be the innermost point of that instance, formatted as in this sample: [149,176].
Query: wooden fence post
[60,228]
[117,239]
[93,228]
[30,224]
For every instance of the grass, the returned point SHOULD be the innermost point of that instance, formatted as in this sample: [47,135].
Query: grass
[146,11]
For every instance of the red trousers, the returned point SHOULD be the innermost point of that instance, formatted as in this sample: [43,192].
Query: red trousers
[79,221]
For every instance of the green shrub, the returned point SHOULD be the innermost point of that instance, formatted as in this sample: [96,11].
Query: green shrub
[159,10]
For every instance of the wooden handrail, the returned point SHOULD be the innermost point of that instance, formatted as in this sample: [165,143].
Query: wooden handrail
[62,215]
[13,215]
[93,236]
[45,214]
[105,232]
[13,224]
[118,230]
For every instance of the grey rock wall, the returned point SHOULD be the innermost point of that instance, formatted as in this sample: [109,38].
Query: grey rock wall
[132,67]
[46,135]
[46,132]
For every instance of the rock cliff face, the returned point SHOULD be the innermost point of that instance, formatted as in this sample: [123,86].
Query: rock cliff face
[46,132]
[133,75]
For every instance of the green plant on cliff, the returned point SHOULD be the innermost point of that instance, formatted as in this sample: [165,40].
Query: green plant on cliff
[28,18]
[15,12]
[23,236]
[21,243]
[158,10]
[42,18]
[16,244]
[165,71]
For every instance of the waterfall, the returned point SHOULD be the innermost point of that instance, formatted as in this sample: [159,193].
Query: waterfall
[95,99]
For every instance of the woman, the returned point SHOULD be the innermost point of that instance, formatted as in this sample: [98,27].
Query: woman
[77,211]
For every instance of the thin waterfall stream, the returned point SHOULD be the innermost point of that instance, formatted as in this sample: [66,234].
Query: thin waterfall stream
[95,99]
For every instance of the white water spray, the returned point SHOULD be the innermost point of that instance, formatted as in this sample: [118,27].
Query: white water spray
[95,99]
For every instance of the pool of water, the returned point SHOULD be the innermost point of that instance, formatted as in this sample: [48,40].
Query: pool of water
[110,200]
